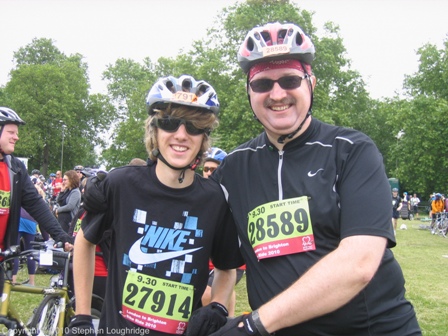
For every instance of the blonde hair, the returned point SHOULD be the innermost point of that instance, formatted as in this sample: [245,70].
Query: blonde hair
[198,117]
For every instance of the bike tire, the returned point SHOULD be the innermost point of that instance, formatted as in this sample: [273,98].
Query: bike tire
[46,318]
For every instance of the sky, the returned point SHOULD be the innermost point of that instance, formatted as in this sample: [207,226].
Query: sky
[381,36]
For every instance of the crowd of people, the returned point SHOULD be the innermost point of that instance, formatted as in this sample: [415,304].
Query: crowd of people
[284,204]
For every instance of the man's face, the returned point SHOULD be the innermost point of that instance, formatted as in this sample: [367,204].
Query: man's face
[58,174]
[10,135]
[208,169]
[281,111]
[179,148]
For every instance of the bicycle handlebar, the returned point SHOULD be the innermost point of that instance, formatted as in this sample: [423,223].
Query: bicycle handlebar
[14,252]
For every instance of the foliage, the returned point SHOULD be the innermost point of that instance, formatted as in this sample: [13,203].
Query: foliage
[421,154]
[50,90]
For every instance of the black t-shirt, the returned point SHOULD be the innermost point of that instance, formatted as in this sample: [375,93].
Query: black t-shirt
[396,202]
[315,187]
[161,241]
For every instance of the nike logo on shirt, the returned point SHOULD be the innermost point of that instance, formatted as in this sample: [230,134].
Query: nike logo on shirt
[311,174]
[138,257]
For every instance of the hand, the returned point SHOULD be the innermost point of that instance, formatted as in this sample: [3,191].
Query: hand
[64,241]
[207,320]
[81,325]
[243,325]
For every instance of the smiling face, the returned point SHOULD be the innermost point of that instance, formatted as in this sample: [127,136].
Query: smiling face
[179,148]
[9,137]
[281,111]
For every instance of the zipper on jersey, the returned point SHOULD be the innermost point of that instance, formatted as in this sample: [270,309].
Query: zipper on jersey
[279,175]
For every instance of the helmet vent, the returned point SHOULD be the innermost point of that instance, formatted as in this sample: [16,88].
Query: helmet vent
[250,44]
[299,39]
[267,38]
[170,86]
[186,84]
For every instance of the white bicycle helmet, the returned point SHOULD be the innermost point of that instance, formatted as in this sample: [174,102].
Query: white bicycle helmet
[184,90]
[275,41]
[8,116]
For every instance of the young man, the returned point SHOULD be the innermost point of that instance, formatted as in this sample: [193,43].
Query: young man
[17,190]
[318,261]
[165,223]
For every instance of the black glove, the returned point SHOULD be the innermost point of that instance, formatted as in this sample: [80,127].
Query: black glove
[249,327]
[62,239]
[81,325]
[207,320]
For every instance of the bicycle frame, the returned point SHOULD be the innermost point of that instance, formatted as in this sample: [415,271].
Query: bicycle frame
[8,314]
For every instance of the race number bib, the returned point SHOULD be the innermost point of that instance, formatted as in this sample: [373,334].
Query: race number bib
[281,228]
[157,304]
[5,197]
[186,97]
[276,49]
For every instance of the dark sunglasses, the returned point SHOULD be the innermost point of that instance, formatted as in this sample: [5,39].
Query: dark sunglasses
[286,83]
[171,125]
[209,169]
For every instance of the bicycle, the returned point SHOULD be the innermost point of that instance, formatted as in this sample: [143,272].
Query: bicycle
[440,225]
[54,312]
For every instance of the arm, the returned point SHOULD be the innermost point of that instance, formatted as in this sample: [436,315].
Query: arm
[83,273]
[73,201]
[223,285]
[350,267]
[34,204]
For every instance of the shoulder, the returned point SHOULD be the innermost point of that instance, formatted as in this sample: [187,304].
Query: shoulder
[343,135]
[126,174]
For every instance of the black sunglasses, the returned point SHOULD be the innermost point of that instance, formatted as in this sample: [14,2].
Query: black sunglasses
[171,125]
[263,85]
[211,169]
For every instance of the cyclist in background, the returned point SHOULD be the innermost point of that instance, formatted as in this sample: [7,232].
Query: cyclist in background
[17,190]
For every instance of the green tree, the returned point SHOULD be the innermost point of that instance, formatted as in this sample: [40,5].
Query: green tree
[340,97]
[128,83]
[419,158]
[48,90]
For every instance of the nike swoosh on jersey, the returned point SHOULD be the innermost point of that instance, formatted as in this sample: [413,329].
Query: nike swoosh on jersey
[138,257]
[310,174]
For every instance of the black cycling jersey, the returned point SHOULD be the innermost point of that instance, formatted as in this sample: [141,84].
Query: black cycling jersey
[293,207]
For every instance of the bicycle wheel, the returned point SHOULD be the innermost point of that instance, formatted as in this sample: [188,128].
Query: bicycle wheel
[46,318]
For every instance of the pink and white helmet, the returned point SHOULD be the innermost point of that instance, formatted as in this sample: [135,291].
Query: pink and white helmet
[275,41]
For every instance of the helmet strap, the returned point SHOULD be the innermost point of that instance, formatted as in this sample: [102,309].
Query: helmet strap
[191,166]
[282,138]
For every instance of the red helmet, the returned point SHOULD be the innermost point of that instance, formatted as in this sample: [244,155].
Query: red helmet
[275,41]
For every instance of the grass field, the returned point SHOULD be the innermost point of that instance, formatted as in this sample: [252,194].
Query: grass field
[424,260]
[422,256]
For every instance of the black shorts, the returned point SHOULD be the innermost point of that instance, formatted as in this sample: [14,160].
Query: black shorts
[239,275]
[395,214]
